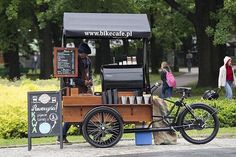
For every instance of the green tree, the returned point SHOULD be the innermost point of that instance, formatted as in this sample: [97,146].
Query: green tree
[16,31]
[211,25]
[169,29]
[47,19]
[49,16]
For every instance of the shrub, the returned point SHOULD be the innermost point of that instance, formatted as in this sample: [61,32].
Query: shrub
[13,104]
[226,110]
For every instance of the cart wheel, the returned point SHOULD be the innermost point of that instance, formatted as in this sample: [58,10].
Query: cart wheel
[102,127]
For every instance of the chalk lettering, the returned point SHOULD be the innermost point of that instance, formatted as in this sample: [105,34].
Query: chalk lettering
[46,109]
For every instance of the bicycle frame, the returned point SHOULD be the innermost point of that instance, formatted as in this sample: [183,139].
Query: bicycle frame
[173,126]
[168,117]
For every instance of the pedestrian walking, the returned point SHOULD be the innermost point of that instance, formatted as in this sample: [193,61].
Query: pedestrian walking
[189,57]
[165,69]
[227,78]
[34,62]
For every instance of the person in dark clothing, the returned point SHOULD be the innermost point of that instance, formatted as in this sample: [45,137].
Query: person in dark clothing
[189,58]
[83,82]
[85,70]
[165,88]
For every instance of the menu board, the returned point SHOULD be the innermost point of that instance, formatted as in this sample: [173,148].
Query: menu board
[65,62]
[44,114]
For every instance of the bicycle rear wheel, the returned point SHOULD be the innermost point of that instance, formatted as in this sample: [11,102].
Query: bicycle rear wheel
[200,124]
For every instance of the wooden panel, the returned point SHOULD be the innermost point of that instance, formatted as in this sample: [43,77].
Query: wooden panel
[129,113]
[68,91]
[135,113]
[74,91]
[125,94]
[75,114]
[81,100]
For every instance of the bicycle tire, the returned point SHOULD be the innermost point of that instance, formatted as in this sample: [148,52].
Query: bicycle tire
[102,127]
[191,124]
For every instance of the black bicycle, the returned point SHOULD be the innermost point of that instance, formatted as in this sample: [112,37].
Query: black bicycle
[198,123]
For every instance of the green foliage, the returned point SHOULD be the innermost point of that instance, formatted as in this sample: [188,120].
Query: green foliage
[225,18]
[168,26]
[13,104]
[12,10]
[226,109]
[15,24]
[223,28]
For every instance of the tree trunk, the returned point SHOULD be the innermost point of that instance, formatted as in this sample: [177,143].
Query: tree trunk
[14,64]
[98,57]
[103,55]
[46,52]
[218,54]
[209,54]
[203,45]
[156,54]
[126,47]
[156,48]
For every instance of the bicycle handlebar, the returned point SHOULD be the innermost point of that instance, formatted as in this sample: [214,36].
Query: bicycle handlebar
[185,91]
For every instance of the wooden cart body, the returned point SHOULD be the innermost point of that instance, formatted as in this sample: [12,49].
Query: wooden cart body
[76,107]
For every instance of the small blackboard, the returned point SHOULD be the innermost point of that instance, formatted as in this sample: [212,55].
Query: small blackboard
[44,115]
[65,62]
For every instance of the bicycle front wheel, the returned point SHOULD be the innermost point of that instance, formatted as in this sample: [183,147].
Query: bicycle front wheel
[200,123]
[102,127]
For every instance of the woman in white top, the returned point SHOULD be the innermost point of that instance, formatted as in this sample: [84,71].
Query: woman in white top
[227,78]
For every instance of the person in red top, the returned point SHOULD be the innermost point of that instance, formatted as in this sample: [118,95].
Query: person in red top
[227,78]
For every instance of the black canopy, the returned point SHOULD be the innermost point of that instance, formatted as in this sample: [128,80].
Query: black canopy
[106,25]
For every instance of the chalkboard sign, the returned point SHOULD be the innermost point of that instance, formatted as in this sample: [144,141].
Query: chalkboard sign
[44,114]
[65,62]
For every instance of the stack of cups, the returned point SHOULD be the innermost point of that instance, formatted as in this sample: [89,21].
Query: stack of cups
[131,99]
[139,99]
[123,100]
[146,98]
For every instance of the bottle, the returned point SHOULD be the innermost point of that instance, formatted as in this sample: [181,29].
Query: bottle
[72,83]
[129,60]
[134,61]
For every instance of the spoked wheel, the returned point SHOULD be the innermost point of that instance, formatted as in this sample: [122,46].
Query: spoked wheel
[201,124]
[102,127]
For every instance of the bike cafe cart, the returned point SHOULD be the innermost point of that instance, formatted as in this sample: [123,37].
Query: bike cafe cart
[102,117]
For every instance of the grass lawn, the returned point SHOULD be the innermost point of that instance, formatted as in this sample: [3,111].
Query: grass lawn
[223,133]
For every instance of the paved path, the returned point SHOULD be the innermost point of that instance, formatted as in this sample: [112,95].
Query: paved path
[187,78]
[123,148]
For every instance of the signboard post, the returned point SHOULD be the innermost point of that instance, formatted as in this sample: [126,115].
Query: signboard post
[44,115]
